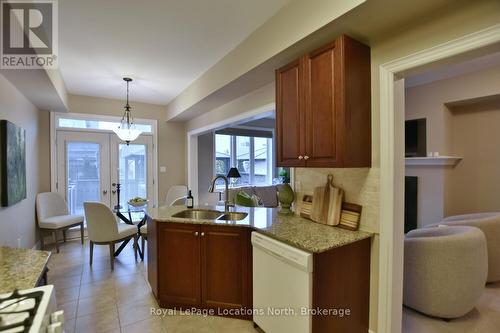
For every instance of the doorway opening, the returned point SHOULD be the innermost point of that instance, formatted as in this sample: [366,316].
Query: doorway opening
[392,166]
[452,121]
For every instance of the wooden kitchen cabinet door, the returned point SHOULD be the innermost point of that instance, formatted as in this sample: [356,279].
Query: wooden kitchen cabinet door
[323,107]
[179,265]
[225,272]
[323,117]
[290,117]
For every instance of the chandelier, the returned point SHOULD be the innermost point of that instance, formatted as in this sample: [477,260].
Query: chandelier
[127,131]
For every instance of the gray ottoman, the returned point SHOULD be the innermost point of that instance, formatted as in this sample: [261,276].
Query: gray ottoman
[445,270]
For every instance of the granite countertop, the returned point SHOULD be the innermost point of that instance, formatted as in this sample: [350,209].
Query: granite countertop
[21,268]
[294,230]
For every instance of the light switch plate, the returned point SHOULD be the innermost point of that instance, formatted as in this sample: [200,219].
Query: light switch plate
[163,169]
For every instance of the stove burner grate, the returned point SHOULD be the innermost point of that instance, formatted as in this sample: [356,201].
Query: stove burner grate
[8,309]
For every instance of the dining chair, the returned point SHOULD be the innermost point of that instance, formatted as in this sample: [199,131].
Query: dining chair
[174,193]
[103,229]
[179,201]
[53,216]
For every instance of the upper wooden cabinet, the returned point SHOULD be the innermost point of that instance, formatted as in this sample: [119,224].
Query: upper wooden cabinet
[323,107]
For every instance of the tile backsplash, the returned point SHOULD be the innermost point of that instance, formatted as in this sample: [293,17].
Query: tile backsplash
[361,186]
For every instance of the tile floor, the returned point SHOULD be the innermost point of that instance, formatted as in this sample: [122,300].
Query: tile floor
[484,318]
[95,299]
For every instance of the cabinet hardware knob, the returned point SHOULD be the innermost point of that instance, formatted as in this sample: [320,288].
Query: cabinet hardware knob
[196,233]
[301,157]
[306,157]
[113,191]
[202,234]
[104,192]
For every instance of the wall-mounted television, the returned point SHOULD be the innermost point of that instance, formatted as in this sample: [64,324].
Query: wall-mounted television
[416,138]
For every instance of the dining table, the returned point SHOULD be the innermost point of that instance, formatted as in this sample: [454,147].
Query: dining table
[132,215]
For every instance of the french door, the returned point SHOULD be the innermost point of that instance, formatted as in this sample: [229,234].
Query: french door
[90,164]
[132,168]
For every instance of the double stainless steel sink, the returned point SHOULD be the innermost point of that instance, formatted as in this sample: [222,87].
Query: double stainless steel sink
[205,214]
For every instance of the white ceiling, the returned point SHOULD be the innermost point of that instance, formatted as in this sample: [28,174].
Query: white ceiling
[163,45]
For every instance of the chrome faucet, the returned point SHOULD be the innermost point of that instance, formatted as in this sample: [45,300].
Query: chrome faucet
[227,203]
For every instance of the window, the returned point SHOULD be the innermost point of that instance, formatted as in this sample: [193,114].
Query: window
[222,154]
[97,124]
[252,156]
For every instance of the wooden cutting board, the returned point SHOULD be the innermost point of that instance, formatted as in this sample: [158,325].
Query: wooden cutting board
[327,203]
[318,205]
[335,205]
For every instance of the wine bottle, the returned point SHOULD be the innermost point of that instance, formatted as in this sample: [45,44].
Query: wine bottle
[190,200]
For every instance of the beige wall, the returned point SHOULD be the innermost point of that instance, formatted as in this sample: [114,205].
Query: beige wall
[474,184]
[259,98]
[448,134]
[206,169]
[171,136]
[18,221]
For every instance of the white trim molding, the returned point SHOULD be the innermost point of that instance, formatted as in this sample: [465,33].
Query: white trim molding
[433,161]
[392,169]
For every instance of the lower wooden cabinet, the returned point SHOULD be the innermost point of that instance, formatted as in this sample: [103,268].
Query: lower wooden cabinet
[225,267]
[179,265]
[203,266]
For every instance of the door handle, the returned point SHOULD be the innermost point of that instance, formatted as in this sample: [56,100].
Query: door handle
[104,192]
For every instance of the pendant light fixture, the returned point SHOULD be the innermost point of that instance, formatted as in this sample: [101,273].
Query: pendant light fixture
[127,130]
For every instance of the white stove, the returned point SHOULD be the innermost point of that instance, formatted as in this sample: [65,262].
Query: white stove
[31,311]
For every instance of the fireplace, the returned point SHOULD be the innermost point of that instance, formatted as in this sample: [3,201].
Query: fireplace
[411,202]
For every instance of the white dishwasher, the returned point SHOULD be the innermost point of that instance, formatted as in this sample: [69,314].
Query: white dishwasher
[282,286]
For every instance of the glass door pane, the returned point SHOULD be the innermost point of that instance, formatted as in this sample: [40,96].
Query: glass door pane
[132,166]
[83,175]
[82,168]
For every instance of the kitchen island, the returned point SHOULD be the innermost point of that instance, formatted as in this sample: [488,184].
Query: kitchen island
[207,263]
[292,229]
